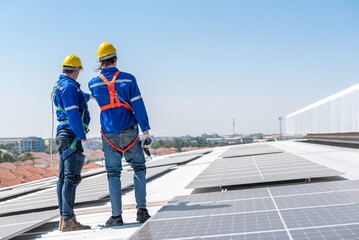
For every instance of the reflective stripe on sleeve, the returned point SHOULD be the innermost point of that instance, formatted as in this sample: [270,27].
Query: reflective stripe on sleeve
[72,107]
[102,83]
[136,98]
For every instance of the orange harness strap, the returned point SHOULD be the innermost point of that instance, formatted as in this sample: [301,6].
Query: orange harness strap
[117,147]
[114,100]
[114,103]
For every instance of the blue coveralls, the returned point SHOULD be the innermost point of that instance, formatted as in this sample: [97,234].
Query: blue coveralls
[120,126]
[73,117]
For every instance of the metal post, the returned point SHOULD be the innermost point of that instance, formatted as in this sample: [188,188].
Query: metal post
[234,127]
[280,128]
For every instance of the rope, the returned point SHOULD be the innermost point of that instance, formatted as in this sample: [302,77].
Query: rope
[52,131]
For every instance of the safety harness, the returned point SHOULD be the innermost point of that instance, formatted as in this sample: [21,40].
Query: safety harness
[72,148]
[115,102]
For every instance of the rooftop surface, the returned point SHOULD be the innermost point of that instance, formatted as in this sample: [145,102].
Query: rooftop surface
[163,188]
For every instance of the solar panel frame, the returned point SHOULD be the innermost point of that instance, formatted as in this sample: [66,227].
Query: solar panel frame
[250,150]
[85,192]
[48,198]
[195,152]
[327,210]
[259,169]
[173,160]
[209,226]
[21,189]
[346,232]
[12,226]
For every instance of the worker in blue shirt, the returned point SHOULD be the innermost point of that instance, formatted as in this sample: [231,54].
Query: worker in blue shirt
[73,117]
[122,110]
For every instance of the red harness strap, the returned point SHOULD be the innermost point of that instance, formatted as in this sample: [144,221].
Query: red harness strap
[114,100]
[114,103]
[117,147]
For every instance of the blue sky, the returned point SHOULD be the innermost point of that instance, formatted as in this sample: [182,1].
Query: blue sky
[199,64]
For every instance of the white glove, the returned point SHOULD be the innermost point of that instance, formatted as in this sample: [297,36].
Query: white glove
[146,141]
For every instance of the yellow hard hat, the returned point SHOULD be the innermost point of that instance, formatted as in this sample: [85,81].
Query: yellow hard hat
[72,62]
[106,50]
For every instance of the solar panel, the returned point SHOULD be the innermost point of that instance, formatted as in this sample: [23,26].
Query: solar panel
[85,192]
[195,152]
[258,169]
[273,235]
[173,160]
[328,210]
[23,189]
[249,150]
[15,225]
[346,232]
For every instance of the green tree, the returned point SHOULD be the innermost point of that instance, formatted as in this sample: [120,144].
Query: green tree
[25,156]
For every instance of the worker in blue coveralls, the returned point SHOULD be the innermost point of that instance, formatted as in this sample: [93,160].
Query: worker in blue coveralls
[122,110]
[73,117]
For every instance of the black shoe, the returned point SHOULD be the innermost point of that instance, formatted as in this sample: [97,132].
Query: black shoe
[113,222]
[142,215]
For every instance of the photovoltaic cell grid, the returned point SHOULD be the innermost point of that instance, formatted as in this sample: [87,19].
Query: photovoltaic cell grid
[15,225]
[259,168]
[327,210]
[194,152]
[47,198]
[31,187]
[249,150]
[90,189]
[173,160]
[21,189]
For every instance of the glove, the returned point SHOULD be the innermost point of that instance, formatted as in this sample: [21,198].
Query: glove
[146,141]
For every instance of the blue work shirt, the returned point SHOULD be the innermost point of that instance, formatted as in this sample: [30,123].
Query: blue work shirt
[115,120]
[71,104]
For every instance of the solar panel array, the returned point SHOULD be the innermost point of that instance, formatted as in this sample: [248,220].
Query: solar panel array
[21,189]
[259,168]
[172,160]
[249,150]
[194,152]
[90,189]
[320,211]
[15,225]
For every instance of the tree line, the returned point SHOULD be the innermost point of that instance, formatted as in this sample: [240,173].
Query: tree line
[179,143]
[10,153]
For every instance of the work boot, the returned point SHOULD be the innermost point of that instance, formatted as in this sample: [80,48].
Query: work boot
[60,223]
[114,221]
[142,215]
[72,225]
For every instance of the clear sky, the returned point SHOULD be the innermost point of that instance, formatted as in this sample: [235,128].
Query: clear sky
[199,63]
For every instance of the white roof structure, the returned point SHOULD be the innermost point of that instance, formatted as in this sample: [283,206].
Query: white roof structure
[338,113]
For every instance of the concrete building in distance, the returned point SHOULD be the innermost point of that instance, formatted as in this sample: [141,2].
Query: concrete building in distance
[335,118]
[31,144]
[4,141]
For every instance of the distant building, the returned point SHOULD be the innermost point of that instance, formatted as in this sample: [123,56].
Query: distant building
[4,141]
[247,140]
[31,144]
[238,139]
[233,139]
[215,140]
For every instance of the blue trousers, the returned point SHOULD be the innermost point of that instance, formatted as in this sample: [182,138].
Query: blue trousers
[69,173]
[135,157]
